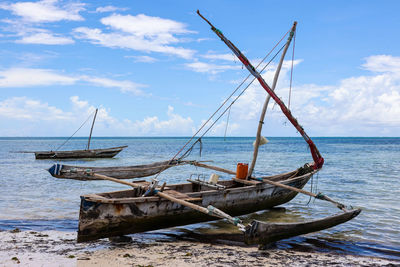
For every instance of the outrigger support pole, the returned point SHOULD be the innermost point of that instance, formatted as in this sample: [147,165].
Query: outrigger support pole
[318,159]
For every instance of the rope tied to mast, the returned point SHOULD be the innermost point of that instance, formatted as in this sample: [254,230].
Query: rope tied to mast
[227,122]
[226,100]
[189,150]
[75,132]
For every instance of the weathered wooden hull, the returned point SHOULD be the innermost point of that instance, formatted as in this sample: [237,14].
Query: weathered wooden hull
[75,154]
[118,213]
[125,172]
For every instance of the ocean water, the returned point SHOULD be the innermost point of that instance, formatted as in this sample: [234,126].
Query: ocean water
[361,172]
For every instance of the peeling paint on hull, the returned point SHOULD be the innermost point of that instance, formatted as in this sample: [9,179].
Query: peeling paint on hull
[120,213]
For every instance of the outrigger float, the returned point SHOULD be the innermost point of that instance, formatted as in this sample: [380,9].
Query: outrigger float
[148,206]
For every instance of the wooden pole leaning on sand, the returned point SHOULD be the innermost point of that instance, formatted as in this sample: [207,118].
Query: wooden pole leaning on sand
[210,210]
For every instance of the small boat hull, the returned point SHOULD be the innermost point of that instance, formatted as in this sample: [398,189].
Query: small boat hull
[122,172]
[75,154]
[123,212]
[266,233]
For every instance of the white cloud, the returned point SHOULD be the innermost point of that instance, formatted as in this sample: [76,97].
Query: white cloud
[382,63]
[145,59]
[358,106]
[366,101]
[45,38]
[214,68]
[147,26]
[31,16]
[29,77]
[141,33]
[213,56]
[23,108]
[109,9]
[209,67]
[174,125]
[366,105]
[34,118]
[24,77]
[203,39]
[191,104]
[80,104]
[123,86]
[219,128]
[45,11]
[29,59]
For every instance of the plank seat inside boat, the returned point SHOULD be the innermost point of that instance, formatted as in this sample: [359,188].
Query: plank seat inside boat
[180,195]
[176,194]
[246,182]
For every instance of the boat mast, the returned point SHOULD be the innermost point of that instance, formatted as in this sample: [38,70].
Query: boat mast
[264,110]
[91,129]
[318,159]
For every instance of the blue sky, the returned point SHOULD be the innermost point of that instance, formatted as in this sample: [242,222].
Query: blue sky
[154,68]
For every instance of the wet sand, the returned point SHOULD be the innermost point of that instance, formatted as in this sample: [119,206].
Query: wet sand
[52,248]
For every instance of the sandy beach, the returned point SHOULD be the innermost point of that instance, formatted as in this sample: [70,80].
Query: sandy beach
[53,248]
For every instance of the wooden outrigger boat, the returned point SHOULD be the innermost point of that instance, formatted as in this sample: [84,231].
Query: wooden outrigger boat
[127,212]
[149,207]
[77,154]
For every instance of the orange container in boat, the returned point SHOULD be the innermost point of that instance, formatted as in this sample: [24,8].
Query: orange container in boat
[242,170]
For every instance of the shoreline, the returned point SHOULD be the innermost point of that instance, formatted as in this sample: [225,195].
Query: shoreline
[33,248]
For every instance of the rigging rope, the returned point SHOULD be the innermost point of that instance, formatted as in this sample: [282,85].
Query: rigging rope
[230,105]
[237,88]
[311,190]
[189,151]
[227,122]
[241,93]
[74,132]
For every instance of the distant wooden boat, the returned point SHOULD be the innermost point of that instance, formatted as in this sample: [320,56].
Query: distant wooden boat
[76,154]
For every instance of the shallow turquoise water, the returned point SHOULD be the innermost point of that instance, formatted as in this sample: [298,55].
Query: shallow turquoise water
[362,172]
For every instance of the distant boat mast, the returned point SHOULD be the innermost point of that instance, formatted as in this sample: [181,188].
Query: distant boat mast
[91,129]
